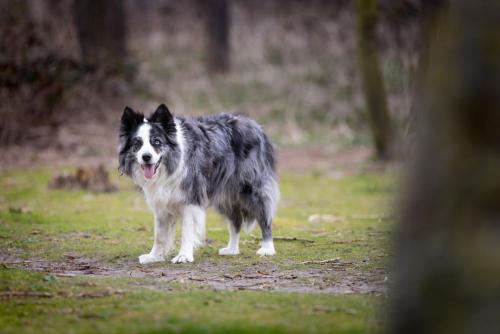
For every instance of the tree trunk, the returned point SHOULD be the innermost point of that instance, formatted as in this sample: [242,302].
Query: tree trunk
[429,14]
[373,86]
[101,29]
[217,30]
[447,277]
[37,68]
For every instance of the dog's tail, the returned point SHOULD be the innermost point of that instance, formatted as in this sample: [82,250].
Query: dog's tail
[271,196]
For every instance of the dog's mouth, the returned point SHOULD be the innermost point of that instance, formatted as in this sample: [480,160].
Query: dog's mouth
[150,169]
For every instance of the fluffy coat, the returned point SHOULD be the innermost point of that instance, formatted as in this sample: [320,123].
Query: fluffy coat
[186,165]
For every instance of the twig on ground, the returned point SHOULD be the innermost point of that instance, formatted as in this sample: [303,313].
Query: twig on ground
[198,279]
[321,261]
[21,261]
[258,276]
[347,241]
[14,294]
[288,239]
[293,239]
[260,285]
[231,277]
[101,293]
[290,276]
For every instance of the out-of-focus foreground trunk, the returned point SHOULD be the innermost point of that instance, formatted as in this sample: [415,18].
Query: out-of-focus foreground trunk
[373,86]
[447,267]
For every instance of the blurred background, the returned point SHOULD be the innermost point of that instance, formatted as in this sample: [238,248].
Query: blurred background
[68,68]
[344,88]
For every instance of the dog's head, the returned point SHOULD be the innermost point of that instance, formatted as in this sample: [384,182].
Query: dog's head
[146,143]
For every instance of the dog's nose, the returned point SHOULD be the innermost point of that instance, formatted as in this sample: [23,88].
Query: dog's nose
[146,157]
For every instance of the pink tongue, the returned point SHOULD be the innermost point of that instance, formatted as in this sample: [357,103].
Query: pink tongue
[149,171]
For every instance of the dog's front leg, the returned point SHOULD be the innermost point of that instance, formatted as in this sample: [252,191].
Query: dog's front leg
[163,240]
[191,215]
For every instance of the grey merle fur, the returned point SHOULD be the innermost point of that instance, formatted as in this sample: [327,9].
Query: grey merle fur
[229,161]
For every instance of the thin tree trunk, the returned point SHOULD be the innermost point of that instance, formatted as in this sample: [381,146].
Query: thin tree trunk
[447,277]
[373,85]
[217,30]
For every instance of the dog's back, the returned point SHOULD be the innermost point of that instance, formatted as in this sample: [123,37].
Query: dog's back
[231,165]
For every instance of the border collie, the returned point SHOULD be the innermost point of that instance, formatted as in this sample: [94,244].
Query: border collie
[186,165]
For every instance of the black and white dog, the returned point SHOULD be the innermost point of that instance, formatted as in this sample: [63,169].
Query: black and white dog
[186,165]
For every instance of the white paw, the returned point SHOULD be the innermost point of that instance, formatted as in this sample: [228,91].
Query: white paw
[182,258]
[229,251]
[266,251]
[148,258]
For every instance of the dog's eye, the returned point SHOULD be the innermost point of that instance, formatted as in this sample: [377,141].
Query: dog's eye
[136,145]
[156,142]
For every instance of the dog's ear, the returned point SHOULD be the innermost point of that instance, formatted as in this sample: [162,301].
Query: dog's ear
[163,116]
[130,121]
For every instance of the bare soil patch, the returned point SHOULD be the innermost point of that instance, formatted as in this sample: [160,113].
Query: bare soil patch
[335,276]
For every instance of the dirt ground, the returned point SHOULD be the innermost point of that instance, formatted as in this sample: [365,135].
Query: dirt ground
[257,276]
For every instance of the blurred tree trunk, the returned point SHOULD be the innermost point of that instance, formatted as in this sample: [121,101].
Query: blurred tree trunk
[447,277]
[101,28]
[37,67]
[217,30]
[429,12]
[373,86]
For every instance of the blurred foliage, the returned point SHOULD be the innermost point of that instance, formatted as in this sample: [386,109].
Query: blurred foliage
[293,65]
[40,65]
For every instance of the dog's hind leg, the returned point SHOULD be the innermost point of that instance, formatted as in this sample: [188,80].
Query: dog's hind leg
[233,247]
[265,212]
[163,239]
[267,245]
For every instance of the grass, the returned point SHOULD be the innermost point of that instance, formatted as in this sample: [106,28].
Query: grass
[36,222]
[196,310]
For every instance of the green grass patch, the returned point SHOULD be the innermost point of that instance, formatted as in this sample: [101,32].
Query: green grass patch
[68,308]
[352,223]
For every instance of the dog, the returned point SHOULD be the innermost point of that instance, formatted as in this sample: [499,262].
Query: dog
[186,165]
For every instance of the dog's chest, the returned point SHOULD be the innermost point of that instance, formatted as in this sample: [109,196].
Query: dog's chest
[163,194]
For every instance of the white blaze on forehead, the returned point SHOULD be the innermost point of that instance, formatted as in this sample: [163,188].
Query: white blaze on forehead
[144,133]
